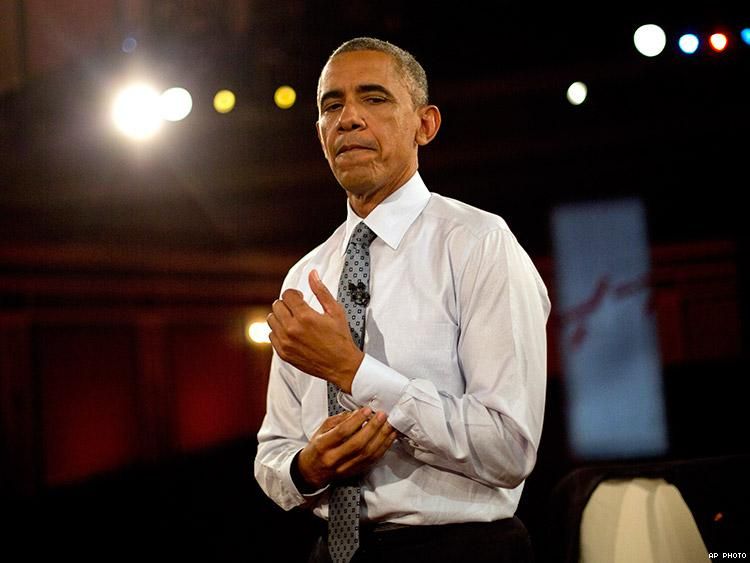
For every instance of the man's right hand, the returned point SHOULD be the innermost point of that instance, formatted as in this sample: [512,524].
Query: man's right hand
[346,444]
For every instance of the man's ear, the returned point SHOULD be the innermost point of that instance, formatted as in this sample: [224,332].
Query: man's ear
[429,123]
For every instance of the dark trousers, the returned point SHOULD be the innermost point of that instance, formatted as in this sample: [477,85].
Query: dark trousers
[502,541]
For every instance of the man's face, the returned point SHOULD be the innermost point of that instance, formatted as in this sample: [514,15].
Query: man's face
[367,123]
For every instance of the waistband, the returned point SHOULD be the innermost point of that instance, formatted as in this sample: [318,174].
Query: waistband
[389,531]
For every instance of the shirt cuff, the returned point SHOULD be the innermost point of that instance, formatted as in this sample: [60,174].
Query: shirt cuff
[377,385]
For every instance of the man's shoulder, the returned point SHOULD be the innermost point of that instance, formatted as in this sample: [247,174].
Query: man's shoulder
[455,214]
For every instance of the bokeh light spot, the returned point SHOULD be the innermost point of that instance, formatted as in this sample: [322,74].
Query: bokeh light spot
[649,40]
[258,332]
[577,93]
[284,97]
[718,41]
[175,104]
[129,44]
[224,101]
[688,43]
[135,111]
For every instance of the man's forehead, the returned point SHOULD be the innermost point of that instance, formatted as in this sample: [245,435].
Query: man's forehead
[358,66]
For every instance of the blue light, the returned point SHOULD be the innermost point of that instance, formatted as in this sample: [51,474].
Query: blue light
[129,44]
[689,43]
[745,34]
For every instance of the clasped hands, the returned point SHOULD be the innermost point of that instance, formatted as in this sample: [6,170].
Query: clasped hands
[321,345]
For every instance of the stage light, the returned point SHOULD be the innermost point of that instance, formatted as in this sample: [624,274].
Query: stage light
[649,40]
[745,34]
[175,104]
[577,93]
[284,97]
[135,111]
[718,42]
[258,331]
[224,101]
[689,43]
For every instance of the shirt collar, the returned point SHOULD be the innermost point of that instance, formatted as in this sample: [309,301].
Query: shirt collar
[393,216]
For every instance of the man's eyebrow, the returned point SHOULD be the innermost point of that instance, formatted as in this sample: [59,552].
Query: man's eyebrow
[361,89]
[366,88]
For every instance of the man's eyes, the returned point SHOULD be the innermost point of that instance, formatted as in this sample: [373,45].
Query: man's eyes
[372,100]
[331,107]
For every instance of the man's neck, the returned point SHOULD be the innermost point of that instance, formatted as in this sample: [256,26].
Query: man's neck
[363,204]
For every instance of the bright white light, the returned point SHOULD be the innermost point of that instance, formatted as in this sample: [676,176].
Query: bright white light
[175,104]
[135,111]
[689,43]
[258,332]
[577,93]
[650,40]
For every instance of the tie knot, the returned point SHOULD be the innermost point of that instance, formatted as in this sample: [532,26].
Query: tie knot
[362,236]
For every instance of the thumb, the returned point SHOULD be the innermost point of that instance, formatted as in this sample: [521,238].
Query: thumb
[320,290]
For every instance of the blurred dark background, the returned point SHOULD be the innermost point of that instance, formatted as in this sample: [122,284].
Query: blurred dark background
[129,393]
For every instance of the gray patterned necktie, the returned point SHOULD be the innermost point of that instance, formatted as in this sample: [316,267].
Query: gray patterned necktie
[353,294]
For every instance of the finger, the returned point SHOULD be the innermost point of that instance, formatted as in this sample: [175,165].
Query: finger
[379,432]
[274,324]
[281,312]
[273,339]
[342,432]
[362,463]
[294,300]
[335,420]
[326,299]
[383,430]
[374,450]
[384,446]
[357,443]
[277,344]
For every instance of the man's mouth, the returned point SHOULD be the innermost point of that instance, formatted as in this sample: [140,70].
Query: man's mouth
[352,148]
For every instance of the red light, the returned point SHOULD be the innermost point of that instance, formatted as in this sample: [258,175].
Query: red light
[718,41]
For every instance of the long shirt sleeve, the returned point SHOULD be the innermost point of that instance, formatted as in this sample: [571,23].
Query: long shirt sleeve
[489,431]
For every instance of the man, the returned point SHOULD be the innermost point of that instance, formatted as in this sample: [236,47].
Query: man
[445,395]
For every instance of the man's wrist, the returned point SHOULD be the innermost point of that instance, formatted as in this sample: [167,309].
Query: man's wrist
[346,372]
[298,479]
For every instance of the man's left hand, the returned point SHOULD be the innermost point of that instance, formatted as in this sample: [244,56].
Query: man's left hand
[319,344]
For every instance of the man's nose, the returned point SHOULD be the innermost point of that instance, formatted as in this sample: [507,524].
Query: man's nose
[351,117]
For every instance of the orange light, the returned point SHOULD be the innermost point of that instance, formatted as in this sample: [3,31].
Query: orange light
[718,41]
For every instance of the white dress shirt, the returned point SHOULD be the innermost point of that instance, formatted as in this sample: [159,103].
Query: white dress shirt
[455,353]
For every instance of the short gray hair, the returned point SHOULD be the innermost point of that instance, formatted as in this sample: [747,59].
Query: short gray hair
[409,68]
